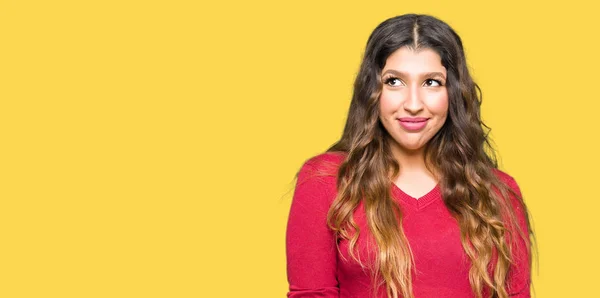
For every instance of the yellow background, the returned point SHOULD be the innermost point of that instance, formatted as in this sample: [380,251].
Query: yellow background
[149,147]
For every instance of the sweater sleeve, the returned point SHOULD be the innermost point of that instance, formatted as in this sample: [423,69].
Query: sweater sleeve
[310,245]
[519,274]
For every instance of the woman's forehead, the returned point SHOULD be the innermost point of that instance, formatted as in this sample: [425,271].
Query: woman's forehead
[408,60]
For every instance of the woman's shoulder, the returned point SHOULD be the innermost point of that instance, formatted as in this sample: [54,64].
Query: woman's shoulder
[316,183]
[507,179]
[515,198]
[324,164]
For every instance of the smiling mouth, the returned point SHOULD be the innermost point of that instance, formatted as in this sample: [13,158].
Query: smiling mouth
[413,124]
[413,119]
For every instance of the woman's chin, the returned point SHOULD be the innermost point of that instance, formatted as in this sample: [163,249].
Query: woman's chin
[410,147]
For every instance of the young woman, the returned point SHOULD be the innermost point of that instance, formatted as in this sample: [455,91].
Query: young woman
[409,202]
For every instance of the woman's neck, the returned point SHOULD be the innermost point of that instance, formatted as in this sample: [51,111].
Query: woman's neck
[412,163]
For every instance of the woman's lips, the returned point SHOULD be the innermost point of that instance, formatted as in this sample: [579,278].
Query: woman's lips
[413,124]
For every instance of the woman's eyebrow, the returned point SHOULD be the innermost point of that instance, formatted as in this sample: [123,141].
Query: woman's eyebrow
[426,74]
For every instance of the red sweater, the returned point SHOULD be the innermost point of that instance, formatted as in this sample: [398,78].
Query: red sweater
[316,269]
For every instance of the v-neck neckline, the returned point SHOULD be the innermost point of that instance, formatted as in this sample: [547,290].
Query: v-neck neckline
[420,202]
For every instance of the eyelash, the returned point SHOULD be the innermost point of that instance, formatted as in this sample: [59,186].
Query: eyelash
[388,79]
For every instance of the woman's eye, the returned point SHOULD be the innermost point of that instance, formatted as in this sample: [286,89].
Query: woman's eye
[393,82]
[432,83]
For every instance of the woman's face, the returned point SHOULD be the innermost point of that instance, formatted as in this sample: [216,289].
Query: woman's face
[414,100]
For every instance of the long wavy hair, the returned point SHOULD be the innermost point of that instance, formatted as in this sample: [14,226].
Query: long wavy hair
[460,154]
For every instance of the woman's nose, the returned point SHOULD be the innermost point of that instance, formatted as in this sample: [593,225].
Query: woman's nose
[413,102]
